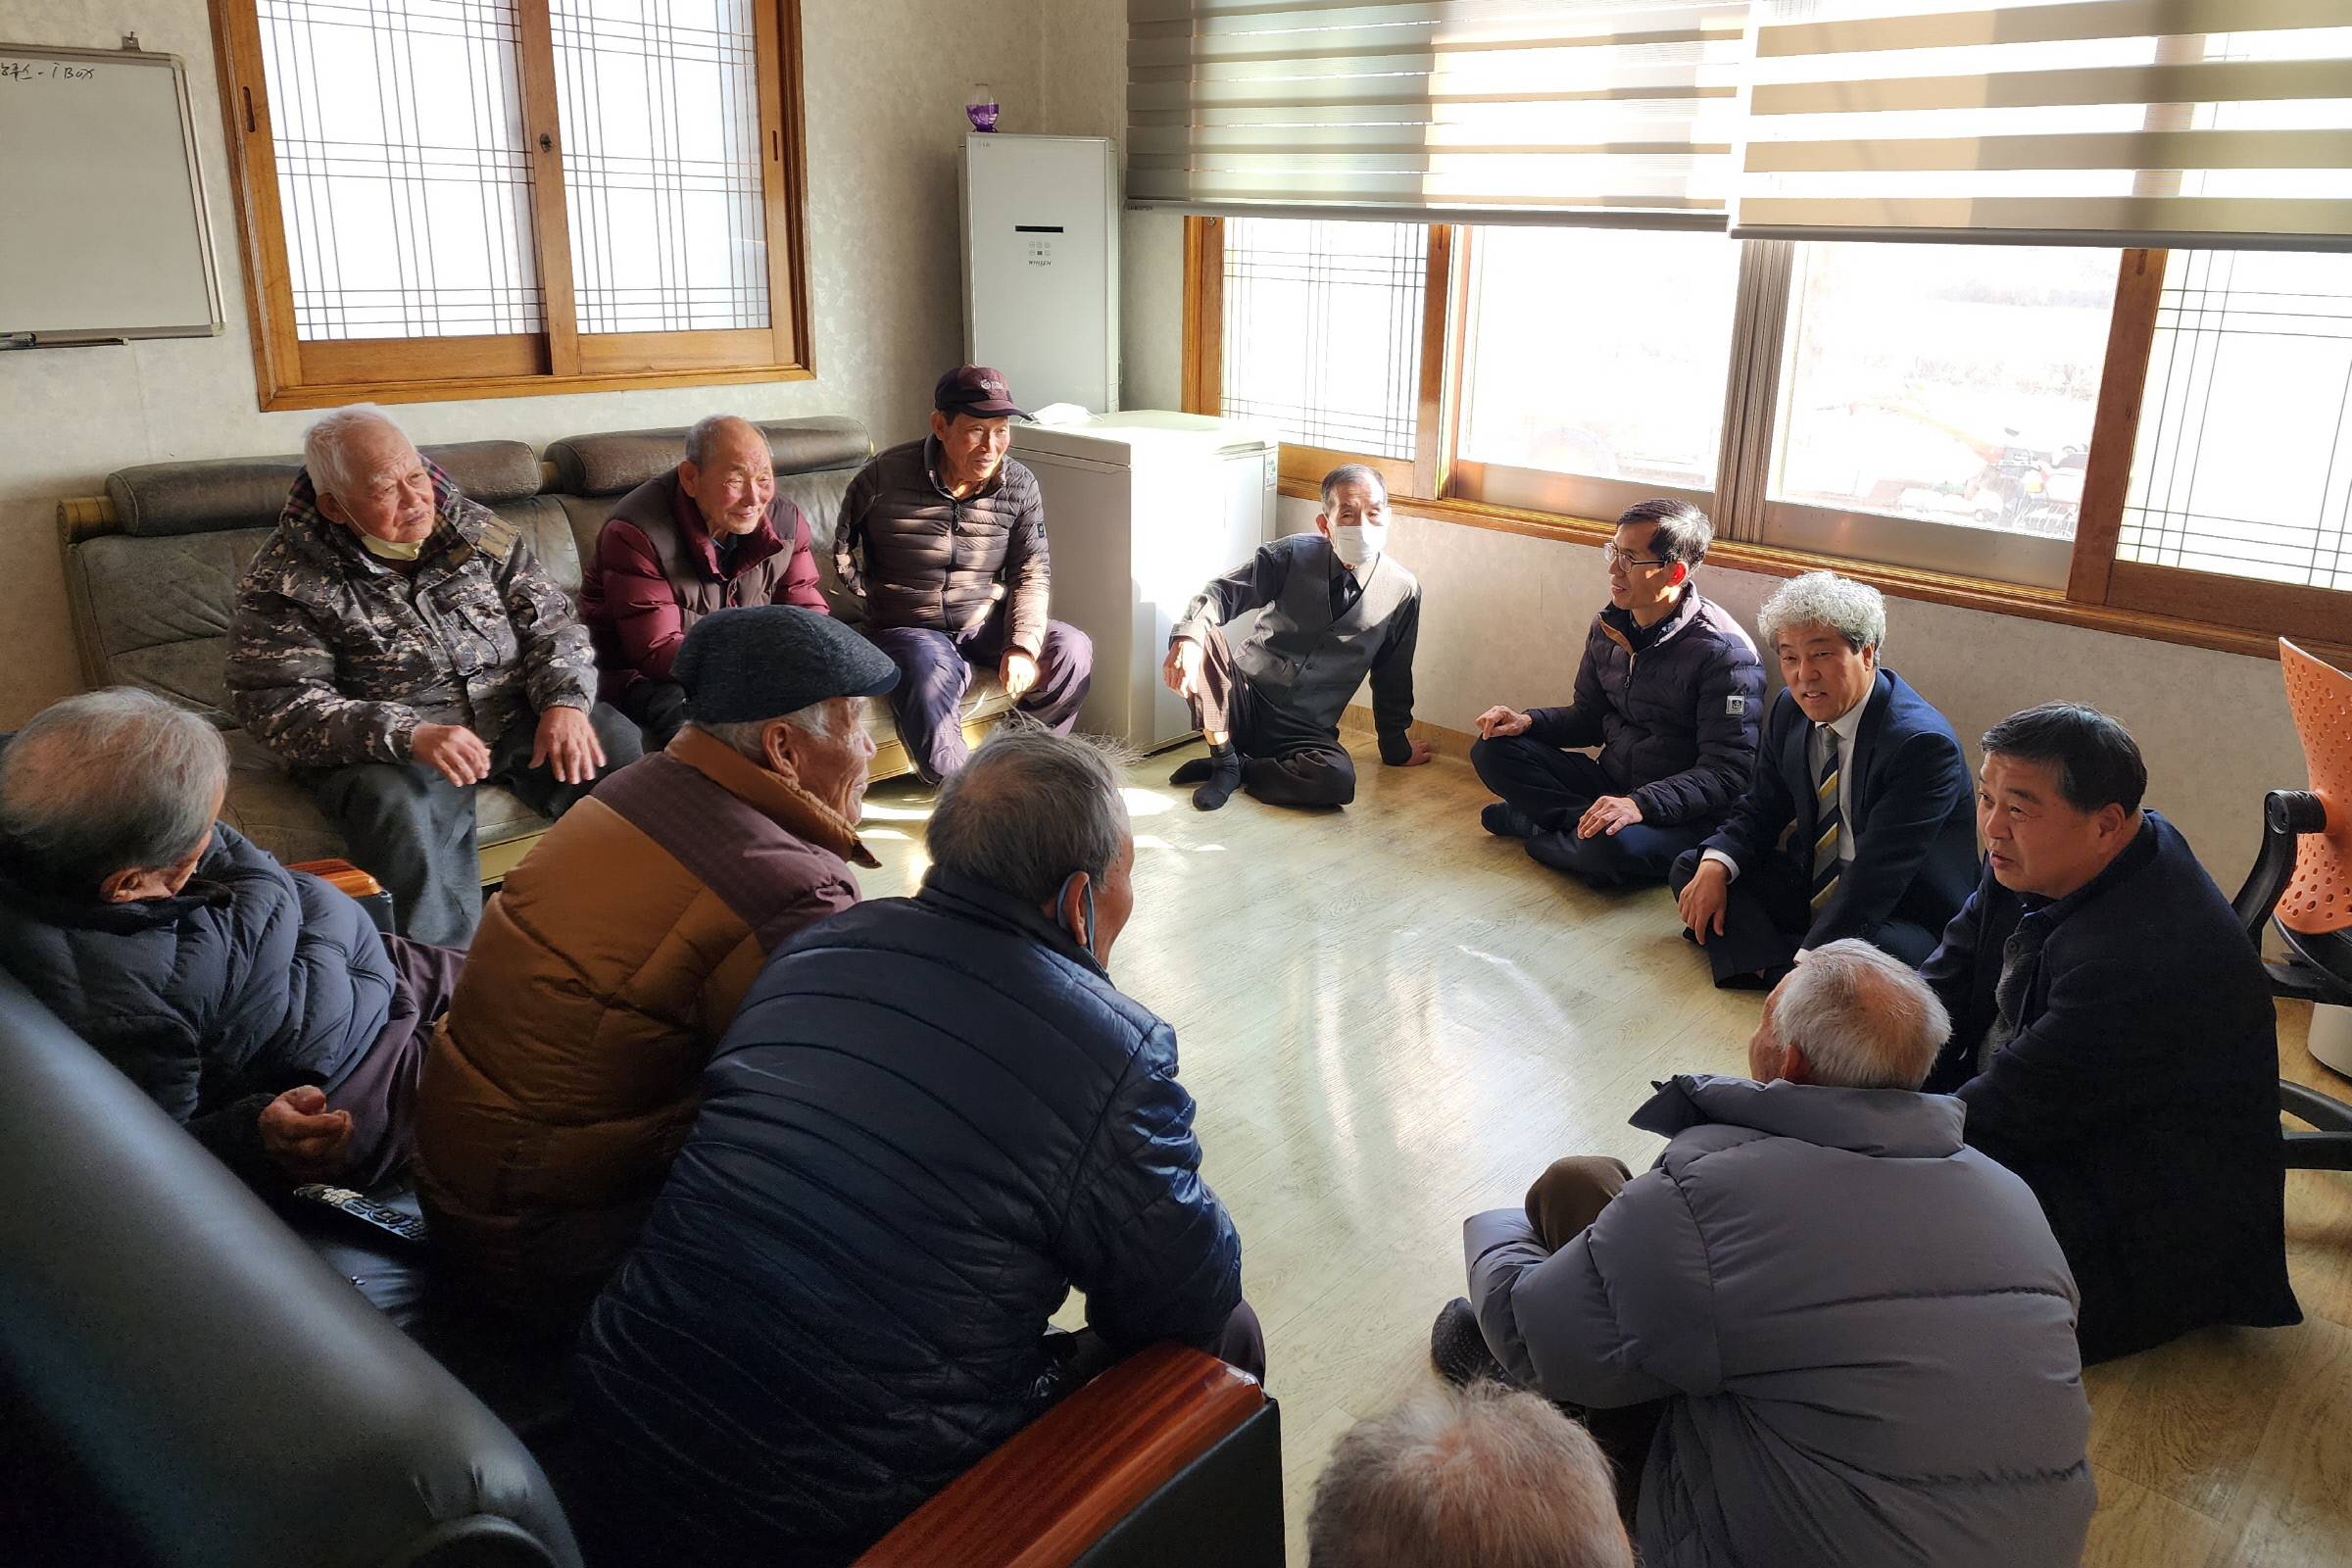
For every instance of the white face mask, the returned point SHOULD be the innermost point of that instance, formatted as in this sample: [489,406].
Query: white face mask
[1357,547]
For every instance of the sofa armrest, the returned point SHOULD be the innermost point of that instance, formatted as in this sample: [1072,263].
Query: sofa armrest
[1070,1477]
[341,876]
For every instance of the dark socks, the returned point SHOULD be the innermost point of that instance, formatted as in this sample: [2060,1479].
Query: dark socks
[1223,777]
[1192,772]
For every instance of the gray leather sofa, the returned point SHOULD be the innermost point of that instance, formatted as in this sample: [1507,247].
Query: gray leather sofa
[152,571]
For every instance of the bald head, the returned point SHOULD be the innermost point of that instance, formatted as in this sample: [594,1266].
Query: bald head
[729,474]
[1850,1016]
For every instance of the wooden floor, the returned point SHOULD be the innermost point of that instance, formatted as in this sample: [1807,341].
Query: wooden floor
[1391,1019]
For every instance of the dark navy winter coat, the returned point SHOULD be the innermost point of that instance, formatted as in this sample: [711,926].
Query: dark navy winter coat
[252,980]
[932,1117]
[2139,1096]
[1676,722]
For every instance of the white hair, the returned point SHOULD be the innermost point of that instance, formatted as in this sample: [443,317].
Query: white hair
[1864,1019]
[820,720]
[1854,611]
[706,431]
[326,444]
[114,780]
[1484,1477]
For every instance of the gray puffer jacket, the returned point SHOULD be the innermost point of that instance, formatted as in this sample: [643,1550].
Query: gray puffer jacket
[1866,1330]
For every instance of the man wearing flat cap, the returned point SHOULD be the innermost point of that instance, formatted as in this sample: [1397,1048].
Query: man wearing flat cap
[945,540]
[568,1070]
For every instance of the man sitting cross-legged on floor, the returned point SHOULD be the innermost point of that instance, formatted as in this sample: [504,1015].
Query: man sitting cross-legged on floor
[1670,690]
[570,1065]
[1856,822]
[1852,1334]
[932,1118]
[258,1005]
[1334,607]
[2115,1040]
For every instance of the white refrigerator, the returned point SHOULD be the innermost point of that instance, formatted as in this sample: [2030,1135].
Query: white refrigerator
[1142,509]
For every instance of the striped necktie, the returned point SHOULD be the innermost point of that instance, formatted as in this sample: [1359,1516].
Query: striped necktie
[1827,823]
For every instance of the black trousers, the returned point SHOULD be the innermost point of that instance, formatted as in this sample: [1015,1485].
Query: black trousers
[657,707]
[1554,788]
[1766,917]
[1285,761]
[413,830]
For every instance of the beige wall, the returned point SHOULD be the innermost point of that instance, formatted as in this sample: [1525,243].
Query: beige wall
[1504,619]
[886,83]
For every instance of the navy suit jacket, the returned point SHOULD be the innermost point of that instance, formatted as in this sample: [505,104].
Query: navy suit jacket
[1914,824]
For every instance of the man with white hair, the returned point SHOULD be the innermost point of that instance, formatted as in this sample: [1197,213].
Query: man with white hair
[1478,1477]
[1821,1329]
[397,644]
[712,533]
[258,1006]
[1859,820]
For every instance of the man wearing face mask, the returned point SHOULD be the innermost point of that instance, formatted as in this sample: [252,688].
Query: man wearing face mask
[570,1065]
[932,1118]
[1334,607]
[945,541]
[711,533]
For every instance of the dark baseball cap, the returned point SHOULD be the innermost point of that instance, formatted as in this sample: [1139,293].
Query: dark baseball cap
[976,390]
[759,661]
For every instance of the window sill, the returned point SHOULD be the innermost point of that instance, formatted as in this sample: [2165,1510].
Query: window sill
[337,394]
[1930,587]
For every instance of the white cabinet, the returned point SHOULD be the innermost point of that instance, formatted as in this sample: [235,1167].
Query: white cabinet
[1141,508]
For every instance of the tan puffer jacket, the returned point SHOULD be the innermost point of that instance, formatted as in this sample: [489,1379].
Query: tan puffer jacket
[568,1070]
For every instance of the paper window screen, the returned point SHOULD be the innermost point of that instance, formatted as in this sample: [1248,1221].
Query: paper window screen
[1616,112]
[2119,122]
[400,167]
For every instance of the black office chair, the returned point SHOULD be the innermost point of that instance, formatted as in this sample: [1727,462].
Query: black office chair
[2317,968]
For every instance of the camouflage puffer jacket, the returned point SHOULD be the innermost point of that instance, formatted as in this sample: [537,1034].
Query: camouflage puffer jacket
[334,658]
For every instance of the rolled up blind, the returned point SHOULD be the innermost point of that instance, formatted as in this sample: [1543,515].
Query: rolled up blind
[1595,112]
[2194,124]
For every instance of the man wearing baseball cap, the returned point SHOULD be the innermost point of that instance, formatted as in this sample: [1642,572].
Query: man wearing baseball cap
[945,540]
[568,1071]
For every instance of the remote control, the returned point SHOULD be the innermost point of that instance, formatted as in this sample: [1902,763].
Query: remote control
[407,1227]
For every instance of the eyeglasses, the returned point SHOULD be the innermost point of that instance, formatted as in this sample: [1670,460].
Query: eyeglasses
[1611,555]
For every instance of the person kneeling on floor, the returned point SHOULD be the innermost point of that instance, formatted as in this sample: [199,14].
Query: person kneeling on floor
[1334,607]
[1852,1334]
[1479,1477]
[611,963]
[932,1118]
[259,1006]
[1671,691]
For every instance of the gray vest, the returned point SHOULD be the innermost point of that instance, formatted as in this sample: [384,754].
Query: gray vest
[1301,659]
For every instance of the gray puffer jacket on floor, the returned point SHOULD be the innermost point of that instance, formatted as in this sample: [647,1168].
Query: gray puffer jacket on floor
[1866,1329]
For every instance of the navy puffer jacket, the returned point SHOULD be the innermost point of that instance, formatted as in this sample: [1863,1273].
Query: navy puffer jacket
[251,981]
[1676,722]
[932,1117]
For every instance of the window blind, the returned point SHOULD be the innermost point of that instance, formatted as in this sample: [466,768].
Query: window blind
[2117,123]
[1610,111]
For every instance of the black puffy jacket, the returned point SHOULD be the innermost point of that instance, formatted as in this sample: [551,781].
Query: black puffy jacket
[1676,722]
[932,1117]
[252,980]
[940,564]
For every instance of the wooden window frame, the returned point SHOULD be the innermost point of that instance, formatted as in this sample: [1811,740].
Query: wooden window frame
[291,374]
[2101,593]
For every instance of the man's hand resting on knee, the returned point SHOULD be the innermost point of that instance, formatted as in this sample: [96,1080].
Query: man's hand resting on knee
[1017,672]
[1182,669]
[567,743]
[453,750]
[1500,722]
[1703,899]
[1607,814]
[307,1141]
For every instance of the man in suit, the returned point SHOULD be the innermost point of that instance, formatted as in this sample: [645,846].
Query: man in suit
[1336,608]
[1866,782]
[2115,1041]
[1672,693]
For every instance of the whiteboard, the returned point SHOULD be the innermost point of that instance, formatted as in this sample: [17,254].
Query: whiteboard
[105,233]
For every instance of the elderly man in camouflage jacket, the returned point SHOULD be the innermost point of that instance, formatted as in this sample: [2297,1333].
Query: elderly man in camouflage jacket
[399,644]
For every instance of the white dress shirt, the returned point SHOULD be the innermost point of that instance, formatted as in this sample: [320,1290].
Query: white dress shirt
[1847,724]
